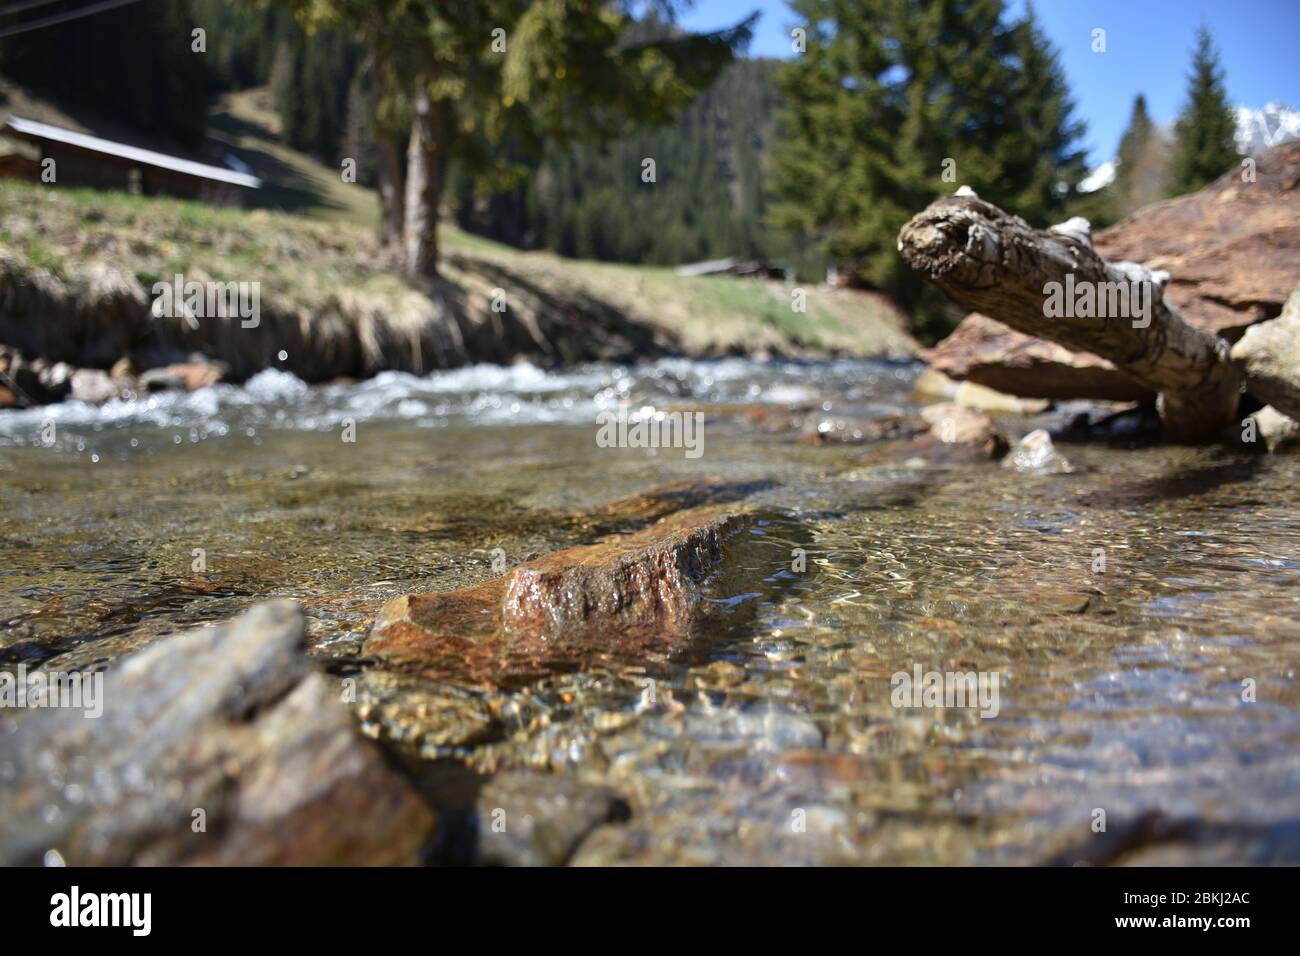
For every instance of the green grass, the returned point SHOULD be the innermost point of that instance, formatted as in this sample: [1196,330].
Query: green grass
[315,236]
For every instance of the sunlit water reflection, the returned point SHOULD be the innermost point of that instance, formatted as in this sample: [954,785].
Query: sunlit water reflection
[1122,607]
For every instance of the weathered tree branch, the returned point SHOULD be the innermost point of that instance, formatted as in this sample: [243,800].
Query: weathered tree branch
[992,262]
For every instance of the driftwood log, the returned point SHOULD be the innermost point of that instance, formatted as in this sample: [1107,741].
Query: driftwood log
[992,262]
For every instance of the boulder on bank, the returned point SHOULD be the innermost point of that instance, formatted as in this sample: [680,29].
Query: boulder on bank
[533,819]
[218,746]
[988,353]
[26,382]
[1269,356]
[189,376]
[1232,251]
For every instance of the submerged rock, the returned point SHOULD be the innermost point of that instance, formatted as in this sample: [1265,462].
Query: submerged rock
[632,594]
[185,376]
[957,432]
[839,431]
[663,500]
[423,718]
[532,819]
[1036,455]
[217,746]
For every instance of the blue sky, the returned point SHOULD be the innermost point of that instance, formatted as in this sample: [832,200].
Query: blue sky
[1148,50]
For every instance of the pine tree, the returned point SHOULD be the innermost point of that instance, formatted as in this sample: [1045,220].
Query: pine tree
[1133,143]
[1042,152]
[475,75]
[358,139]
[1142,171]
[134,66]
[1205,146]
[896,102]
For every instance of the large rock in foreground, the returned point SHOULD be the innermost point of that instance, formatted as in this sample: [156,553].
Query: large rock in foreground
[218,746]
[628,595]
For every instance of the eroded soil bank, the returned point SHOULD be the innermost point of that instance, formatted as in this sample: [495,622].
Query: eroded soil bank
[1122,606]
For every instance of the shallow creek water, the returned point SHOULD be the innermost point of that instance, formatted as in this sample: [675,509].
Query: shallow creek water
[772,738]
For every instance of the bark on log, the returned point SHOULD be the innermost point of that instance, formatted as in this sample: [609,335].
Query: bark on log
[992,262]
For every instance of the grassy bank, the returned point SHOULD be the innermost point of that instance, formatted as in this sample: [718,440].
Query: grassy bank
[77,267]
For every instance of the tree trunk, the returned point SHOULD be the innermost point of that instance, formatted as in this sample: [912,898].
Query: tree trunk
[425,167]
[390,191]
[992,262]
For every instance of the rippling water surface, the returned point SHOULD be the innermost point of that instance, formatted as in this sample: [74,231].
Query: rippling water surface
[1121,607]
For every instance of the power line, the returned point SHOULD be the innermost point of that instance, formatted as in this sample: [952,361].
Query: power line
[30,4]
[65,17]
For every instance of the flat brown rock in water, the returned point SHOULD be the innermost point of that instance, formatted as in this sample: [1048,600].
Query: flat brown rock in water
[663,500]
[229,721]
[629,594]
[984,351]
[534,819]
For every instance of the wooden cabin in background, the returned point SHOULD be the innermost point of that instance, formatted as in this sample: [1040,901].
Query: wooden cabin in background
[84,160]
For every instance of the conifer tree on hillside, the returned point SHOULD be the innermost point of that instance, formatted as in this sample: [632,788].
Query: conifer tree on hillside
[133,65]
[896,102]
[1042,153]
[475,75]
[243,39]
[1142,171]
[706,201]
[311,91]
[1205,147]
[1136,136]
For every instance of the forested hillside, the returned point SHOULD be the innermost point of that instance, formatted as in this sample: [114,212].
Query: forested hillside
[587,200]
[592,201]
[813,160]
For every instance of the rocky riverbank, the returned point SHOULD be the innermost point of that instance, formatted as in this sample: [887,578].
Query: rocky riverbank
[1226,260]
